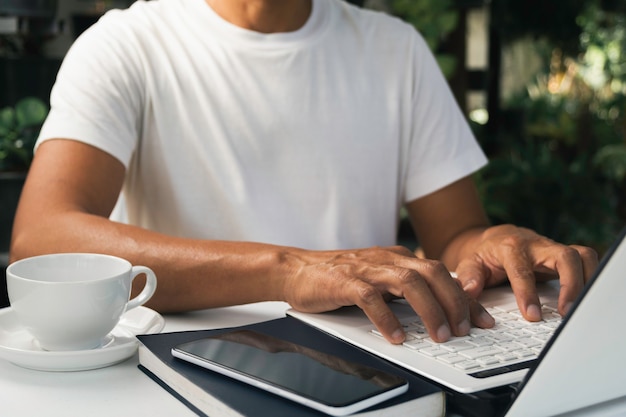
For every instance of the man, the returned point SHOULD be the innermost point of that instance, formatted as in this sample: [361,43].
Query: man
[264,149]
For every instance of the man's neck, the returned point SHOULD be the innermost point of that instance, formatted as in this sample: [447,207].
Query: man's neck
[265,16]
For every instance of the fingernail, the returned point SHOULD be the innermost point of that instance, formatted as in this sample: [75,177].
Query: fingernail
[397,336]
[533,312]
[469,285]
[568,307]
[443,333]
[464,327]
[487,319]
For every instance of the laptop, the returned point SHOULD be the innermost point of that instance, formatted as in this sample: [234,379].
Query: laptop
[566,363]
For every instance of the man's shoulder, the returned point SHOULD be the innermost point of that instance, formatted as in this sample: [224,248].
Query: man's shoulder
[136,30]
[375,25]
[379,32]
[372,18]
[145,16]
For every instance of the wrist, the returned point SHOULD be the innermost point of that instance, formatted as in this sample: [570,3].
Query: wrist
[462,246]
[286,263]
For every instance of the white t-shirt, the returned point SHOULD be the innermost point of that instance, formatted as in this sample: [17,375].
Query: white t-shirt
[313,138]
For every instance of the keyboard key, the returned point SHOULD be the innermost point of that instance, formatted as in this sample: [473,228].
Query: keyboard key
[417,333]
[480,341]
[509,346]
[488,360]
[516,334]
[467,365]
[478,332]
[528,342]
[513,339]
[500,337]
[536,330]
[511,307]
[457,345]
[417,344]
[544,337]
[515,324]
[550,307]
[503,317]
[536,350]
[451,358]
[552,317]
[506,356]
[434,350]
[524,353]
[480,351]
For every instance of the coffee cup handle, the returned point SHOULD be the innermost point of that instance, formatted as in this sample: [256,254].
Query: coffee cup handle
[148,289]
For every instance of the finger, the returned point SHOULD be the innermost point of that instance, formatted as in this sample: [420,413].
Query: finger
[575,266]
[371,301]
[435,296]
[401,278]
[426,306]
[472,276]
[451,297]
[410,285]
[590,261]
[522,279]
[480,317]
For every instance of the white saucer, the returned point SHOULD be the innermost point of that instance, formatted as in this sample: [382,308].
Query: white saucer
[18,346]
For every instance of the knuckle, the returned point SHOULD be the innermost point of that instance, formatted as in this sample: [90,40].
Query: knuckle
[344,257]
[368,294]
[569,255]
[521,272]
[432,267]
[401,250]
[460,308]
[340,269]
[408,277]
[587,253]
[385,317]
[432,314]
[512,241]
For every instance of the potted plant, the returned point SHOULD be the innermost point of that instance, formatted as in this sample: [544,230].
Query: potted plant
[19,127]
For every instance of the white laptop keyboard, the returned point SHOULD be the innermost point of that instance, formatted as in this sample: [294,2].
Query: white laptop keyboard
[485,352]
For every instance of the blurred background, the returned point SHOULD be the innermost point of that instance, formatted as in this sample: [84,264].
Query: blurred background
[542,82]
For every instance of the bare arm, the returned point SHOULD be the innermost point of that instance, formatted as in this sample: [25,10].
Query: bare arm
[445,220]
[69,194]
[72,188]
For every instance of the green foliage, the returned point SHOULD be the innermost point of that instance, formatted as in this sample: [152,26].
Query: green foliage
[434,19]
[611,161]
[545,180]
[19,127]
[554,21]
[559,165]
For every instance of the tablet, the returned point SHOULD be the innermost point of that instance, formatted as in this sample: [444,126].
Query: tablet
[315,379]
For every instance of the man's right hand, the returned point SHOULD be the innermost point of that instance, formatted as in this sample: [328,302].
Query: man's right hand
[327,280]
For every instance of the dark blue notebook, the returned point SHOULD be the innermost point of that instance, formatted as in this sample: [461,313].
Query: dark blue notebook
[211,394]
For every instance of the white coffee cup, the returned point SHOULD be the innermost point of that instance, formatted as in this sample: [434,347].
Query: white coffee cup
[72,301]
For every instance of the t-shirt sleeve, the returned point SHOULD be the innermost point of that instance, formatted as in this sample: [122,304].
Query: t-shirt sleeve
[97,98]
[443,148]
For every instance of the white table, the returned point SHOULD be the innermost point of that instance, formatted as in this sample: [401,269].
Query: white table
[123,390]
[119,390]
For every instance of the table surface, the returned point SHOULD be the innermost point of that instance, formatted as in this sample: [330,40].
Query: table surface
[117,390]
[123,389]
